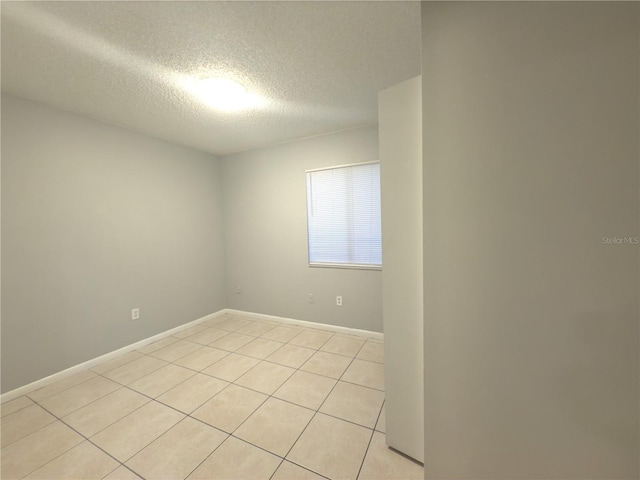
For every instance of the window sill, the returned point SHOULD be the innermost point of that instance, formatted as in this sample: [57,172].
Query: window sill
[346,266]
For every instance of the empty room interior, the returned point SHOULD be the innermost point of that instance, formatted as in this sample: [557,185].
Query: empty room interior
[273,240]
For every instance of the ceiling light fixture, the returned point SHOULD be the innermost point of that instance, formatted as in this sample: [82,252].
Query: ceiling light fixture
[225,94]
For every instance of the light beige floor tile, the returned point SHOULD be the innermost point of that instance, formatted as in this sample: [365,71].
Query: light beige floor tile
[282,333]
[372,352]
[354,403]
[332,447]
[343,346]
[230,408]
[100,414]
[116,362]
[132,433]
[368,374]
[290,471]
[233,324]
[231,367]
[201,359]
[207,336]
[176,350]
[193,392]
[240,317]
[311,339]
[61,385]
[232,342]
[212,322]
[162,380]
[132,371]
[275,426]
[303,387]
[122,473]
[381,426]
[291,355]
[189,331]
[176,453]
[265,377]
[259,348]
[256,329]
[12,406]
[352,337]
[152,347]
[35,450]
[24,422]
[237,460]
[327,364]
[82,462]
[306,389]
[77,397]
[382,463]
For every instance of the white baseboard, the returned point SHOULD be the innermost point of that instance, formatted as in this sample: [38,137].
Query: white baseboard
[306,324]
[5,397]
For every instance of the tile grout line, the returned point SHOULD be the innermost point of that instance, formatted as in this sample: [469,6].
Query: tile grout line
[219,321]
[61,391]
[249,388]
[268,397]
[210,345]
[87,439]
[20,409]
[318,410]
[283,458]
[373,432]
[212,426]
[312,417]
[151,399]
[201,346]
[296,368]
[366,451]
[229,382]
[378,419]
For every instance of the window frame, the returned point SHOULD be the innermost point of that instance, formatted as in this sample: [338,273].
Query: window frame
[347,266]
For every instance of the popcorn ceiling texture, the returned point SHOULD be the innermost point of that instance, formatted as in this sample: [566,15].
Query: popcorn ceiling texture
[319,65]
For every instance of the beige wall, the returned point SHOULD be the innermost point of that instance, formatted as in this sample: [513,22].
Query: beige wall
[97,220]
[531,122]
[266,234]
[400,130]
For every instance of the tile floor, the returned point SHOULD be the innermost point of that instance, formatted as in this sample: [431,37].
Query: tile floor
[231,398]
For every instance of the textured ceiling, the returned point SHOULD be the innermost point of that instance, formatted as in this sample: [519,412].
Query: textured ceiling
[319,65]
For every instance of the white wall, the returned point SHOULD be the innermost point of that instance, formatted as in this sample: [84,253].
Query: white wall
[530,129]
[400,127]
[266,234]
[97,220]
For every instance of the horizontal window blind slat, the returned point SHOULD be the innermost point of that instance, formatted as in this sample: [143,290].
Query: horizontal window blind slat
[343,215]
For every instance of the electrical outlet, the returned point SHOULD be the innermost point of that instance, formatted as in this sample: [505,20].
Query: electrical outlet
[135,314]
[339,300]
[311,298]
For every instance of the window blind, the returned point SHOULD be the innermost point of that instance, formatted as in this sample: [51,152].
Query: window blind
[343,216]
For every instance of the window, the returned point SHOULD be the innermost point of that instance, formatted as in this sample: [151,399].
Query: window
[343,216]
